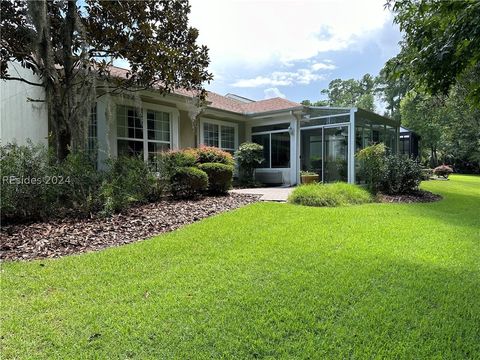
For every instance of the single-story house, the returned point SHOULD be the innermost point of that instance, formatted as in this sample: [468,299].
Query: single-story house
[294,137]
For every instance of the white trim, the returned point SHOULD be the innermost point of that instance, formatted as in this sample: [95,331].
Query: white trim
[220,123]
[174,116]
[325,116]
[351,148]
[324,126]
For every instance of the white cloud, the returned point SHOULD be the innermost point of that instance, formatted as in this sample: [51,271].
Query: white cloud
[323,66]
[273,92]
[280,78]
[260,32]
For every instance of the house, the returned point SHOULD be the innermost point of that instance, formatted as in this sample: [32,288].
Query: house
[294,137]
[409,143]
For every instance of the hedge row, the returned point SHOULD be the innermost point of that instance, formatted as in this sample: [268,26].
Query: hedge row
[35,186]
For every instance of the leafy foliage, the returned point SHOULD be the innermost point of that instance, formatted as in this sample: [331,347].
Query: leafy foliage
[188,182]
[336,194]
[167,162]
[401,175]
[443,171]
[372,160]
[248,156]
[127,181]
[21,199]
[71,45]
[212,154]
[441,42]
[349,92]
[219,177]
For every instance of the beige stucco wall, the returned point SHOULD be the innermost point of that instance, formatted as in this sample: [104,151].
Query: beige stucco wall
[21,119]
[187,136]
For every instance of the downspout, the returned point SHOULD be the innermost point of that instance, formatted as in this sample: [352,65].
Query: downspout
[295,177]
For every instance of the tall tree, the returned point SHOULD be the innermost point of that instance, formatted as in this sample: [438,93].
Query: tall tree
[71,45]
[422,114]
[441,42]
[392,89]
[352,92]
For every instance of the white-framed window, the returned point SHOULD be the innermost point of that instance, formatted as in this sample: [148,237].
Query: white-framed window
[143,132]
[220,134]
[92,136]
[275,140]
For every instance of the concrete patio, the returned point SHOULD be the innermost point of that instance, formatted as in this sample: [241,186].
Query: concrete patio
[279,194]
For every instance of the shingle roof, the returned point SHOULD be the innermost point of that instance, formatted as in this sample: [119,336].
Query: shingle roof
[221,102]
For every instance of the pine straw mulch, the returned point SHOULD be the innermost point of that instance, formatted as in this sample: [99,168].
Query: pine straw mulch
[419,196]
[61,237]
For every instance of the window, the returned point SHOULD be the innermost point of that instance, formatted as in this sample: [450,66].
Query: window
[219,135]
[210,134]
[276,149]
[158,132]
[92,136]
[133,139]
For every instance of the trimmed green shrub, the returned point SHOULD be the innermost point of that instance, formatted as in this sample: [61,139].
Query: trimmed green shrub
[188,182]
[127,181]
[28,192]
[443,171]
[372,162]
[219,177]
[168,162]
[248,156]
[211,154]
[401,175]
[335,194]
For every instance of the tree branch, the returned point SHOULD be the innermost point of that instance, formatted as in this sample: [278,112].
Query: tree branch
[23,80]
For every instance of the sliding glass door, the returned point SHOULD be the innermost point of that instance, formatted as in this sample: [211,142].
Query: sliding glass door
[325,151]
[336,154]
[311,151]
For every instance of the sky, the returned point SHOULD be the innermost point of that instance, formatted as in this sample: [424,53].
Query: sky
[261,49]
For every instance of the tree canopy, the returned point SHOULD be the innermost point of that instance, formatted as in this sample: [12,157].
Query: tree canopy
[349,93]
[71,45]
[441,43]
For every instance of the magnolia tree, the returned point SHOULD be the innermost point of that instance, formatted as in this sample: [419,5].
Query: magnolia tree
[71,45]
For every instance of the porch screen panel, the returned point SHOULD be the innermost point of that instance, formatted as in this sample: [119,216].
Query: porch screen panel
[280,150]
[264,140]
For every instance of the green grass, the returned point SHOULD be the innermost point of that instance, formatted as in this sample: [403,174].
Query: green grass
[266,281]
[336,194]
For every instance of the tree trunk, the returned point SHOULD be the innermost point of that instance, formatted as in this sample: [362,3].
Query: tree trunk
[433,157]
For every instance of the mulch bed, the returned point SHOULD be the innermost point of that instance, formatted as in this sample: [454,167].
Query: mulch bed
[420,196]
[57,238]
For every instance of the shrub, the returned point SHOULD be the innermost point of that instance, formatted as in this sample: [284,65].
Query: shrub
[27,190]
[188,182]
[248,156]
[127,181]
[427,174]
[219,177]
[211,154]
[167,163]
[372,160]
[81,189]
[443,171]
[336,194]
[401,175]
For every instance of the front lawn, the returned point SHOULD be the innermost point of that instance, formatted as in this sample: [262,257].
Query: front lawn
[268,280]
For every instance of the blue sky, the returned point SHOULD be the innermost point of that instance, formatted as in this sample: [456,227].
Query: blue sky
[292,49]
